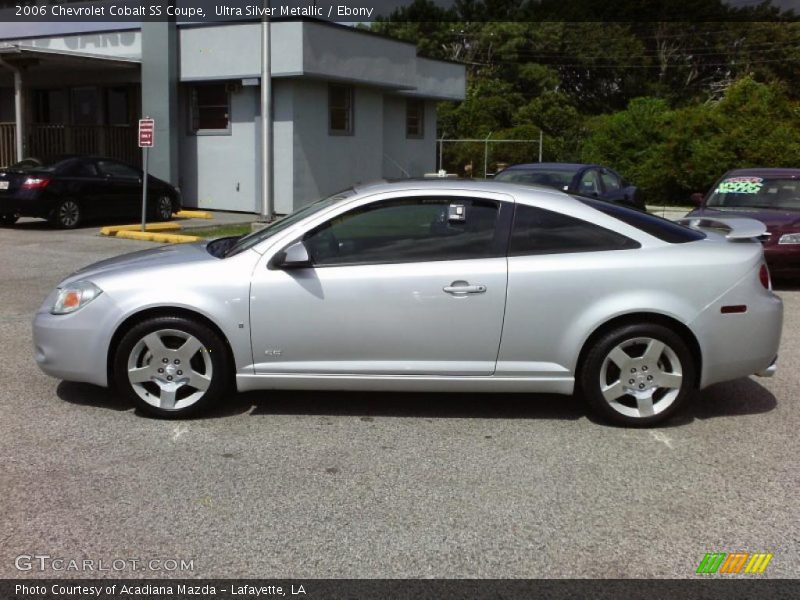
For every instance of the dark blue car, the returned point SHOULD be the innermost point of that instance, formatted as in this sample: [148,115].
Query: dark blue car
[594,181]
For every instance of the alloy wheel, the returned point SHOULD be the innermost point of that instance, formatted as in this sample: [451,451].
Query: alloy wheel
[164,208]
[68,213]
[641,377]
[170,369]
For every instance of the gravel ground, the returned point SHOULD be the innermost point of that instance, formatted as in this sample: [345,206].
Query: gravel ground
[293,484]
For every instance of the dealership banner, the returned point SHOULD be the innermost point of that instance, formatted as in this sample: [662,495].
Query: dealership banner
[364,11]
[416,589]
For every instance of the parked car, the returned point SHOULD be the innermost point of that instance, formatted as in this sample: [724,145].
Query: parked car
[67,190]
[593,181]
[771,196]
[435,285]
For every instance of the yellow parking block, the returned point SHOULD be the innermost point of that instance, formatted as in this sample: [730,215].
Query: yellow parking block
[193,214]
[164,238]
[114,229]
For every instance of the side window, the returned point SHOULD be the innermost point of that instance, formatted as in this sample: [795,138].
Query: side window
[610,181]
[590,183]
[80,168]
[409,230]
[538,231]
[115,169]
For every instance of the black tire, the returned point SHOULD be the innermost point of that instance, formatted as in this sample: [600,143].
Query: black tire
[151,395]
[66,214]
[162,211]
[8,220]
[674,366]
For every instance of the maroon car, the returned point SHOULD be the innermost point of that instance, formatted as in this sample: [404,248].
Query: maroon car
[773,197]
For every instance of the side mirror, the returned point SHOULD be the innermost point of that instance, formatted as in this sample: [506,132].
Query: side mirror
[294,256]
[697,199]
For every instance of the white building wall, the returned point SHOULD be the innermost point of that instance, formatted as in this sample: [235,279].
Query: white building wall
[324,163]
[220,170]
[415,156]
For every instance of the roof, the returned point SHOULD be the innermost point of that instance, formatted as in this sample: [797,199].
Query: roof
[474,185]
[764,171]
[552,166]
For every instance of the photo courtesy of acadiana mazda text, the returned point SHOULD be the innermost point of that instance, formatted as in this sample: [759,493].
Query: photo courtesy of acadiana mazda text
[436,286]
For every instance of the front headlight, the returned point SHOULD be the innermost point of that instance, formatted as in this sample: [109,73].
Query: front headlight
[74,296]
[790,238]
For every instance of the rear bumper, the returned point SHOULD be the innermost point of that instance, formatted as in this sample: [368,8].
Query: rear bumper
[740,344]
[24,205]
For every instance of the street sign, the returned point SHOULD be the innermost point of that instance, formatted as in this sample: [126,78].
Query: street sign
[146,141]
[146,133]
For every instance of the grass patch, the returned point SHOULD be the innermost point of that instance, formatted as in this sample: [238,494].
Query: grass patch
[219,231]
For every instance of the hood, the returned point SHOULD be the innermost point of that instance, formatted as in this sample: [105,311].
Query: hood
[782,220]
[163,256]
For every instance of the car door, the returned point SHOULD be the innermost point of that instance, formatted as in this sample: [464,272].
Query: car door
[410,285]
[589,183]
[78,179]
[123,188]
[615,190]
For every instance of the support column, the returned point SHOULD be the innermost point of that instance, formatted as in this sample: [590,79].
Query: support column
[160,95]
[19,109]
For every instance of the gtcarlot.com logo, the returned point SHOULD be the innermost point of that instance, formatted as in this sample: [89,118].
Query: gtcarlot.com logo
[735,562]
[45,562]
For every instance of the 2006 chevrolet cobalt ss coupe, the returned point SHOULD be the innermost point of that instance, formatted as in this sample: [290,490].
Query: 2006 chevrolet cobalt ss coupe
[428,286]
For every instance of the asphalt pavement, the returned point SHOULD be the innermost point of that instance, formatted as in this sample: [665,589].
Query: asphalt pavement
[318,484]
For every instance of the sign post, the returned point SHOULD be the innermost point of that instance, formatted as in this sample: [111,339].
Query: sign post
[146,141]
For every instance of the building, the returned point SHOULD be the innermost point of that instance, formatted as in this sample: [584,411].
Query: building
[347,106]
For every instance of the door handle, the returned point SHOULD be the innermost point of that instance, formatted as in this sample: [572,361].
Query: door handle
[462,288]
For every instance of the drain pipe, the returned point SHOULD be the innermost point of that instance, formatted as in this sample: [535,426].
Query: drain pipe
[19,133]
[267,203]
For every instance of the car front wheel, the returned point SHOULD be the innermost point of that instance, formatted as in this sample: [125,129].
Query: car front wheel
[164,208]
[171,367]
[638,375]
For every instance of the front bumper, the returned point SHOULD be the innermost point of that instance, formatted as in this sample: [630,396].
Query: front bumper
[74,347]
[770,370]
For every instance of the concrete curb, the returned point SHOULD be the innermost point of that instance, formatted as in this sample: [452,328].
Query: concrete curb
[164,238]
[112,230]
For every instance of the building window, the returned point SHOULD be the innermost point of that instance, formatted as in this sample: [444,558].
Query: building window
[415,118]
[210,109]
[117,106]
[340,109]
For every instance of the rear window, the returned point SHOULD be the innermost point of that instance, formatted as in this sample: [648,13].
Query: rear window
[663,229]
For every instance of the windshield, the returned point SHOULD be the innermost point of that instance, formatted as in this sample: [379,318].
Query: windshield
[555,178]
[756,192]
[259,236]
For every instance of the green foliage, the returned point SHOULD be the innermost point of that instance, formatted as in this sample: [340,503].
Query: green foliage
[671,153]
[669,104]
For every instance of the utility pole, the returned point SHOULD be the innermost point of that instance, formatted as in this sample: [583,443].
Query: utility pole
[267,199]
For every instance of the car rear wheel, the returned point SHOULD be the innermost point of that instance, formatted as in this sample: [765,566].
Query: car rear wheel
[7,220]
[171,367]
[66,214]
[164,208]
[638,375]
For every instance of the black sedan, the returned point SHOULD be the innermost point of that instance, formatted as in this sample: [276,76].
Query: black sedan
[594,181]
[70,190]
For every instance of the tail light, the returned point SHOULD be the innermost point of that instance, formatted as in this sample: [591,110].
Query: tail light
[35,183]
[763,276]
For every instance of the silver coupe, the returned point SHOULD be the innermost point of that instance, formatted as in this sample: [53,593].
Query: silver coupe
[438,285]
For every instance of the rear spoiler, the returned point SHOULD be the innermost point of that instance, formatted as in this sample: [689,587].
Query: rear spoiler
[733,228]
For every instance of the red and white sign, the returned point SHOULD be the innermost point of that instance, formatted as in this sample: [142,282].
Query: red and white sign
[147,132]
